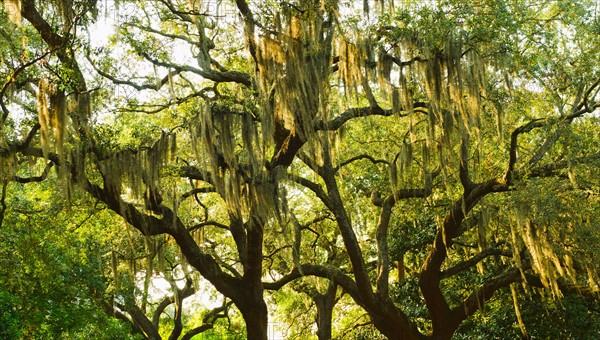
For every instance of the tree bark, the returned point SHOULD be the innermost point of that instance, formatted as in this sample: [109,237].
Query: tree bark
[253,306]
[401,268]
[325,303]
[255,315]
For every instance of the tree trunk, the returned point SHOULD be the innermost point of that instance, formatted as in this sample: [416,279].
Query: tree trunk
[254,308]
[256,316]
[324,322]
[396,331]
[325,303]
[401,268]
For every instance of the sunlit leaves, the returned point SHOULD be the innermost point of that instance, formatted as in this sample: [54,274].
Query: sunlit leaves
[56,267]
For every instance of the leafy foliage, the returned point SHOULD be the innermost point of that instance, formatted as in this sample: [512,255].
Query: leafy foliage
[356,169]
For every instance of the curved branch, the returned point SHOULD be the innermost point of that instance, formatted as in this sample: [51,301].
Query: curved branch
[360,157]
[113,312]
[184,293]
[512,161]
[429,279]
[249,27]
[548,143]
[551,169]
[208,223]
[464,265]
[329,272]
[402,194]
[149,225]
[183,15]
[66,56]
[315,188]
[39,178]
[588,93]
[409,62]
[13,77]
[192,172]
[216,76]
[357,112]
[208,320]
[30,12]
[140,320]
[196,191]
[551,140]
[383,258]
[25,143]
[3,205]
[148,86]
[476,300]
[161,33]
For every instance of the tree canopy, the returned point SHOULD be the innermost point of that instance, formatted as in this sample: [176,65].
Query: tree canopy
[329,168]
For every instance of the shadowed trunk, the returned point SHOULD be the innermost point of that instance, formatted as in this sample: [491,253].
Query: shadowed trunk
[253,306]
[325,303]
[256,318]
[401,268]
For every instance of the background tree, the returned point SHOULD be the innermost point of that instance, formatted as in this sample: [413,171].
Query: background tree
[456,144]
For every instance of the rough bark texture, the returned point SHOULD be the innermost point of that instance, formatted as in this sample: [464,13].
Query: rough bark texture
[325,303]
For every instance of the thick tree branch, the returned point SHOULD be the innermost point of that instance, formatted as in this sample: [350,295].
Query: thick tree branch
[477,299]
[111,311]
[350,241]
[315,188]
[588,98]
[177,319]
[561,126]
[238,232]
[329,272]
[429,279]
[409,62]
[149,225]
[383,256]
[183,15]
[193,173]
[249,28]
[430,274]
[402,194]
[25,143]
[382,310]
[172,225]
[30,12]
[140,319]
[65,54]
[551,169]
[208,223]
